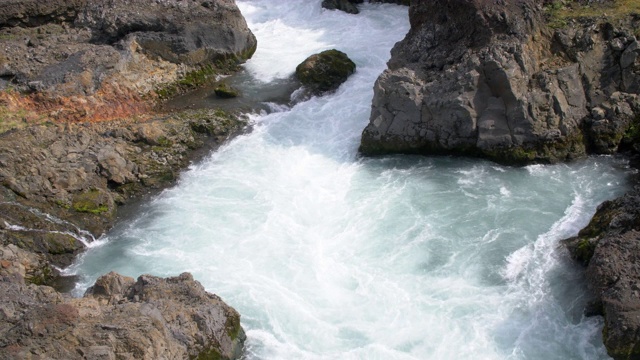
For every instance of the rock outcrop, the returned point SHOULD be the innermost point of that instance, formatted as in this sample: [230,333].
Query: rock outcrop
[97,60]
[325,71]
[118,318]
[61,184]
[349,6]
[610,248]
[490,79]
[78,80]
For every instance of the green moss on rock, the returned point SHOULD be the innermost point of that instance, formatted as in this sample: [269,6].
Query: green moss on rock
[325,71]
[564,149]
[94,202]
[225,91]
[192,80]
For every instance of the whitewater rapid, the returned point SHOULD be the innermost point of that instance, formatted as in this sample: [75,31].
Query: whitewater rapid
[327,255]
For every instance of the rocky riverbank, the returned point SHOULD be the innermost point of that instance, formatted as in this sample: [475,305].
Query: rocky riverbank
[523,82]
[79,137]
[118,318]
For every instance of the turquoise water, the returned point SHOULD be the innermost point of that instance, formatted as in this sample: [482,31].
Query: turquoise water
[331,256]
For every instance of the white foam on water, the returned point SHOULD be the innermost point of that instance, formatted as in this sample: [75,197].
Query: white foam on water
[330,256]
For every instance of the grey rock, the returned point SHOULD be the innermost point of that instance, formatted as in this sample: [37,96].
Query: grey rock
[610,246]
[629,55]
[76,48]
[476,78]
[35,12]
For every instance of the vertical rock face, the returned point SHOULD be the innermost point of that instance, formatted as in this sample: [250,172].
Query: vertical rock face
[487,78]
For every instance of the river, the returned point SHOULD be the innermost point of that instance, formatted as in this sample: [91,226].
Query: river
[328,255]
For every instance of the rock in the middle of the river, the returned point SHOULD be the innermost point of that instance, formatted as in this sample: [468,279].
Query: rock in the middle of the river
[325,71]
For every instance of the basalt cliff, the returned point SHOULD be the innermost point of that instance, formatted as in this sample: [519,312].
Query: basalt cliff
[493,79]
[80,135]
[522,82]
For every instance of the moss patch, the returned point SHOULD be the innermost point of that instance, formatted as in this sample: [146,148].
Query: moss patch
[559,13]
[325,71]
[90,202]
[209,354]
[192,80]
[225,91]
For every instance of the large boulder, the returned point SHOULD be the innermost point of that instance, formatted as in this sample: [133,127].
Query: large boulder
[325,71]
[151,318]
[189,32]
[489,79]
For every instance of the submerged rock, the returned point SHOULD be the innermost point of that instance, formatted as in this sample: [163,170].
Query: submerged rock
[490,79]
[119,317]
[325,71]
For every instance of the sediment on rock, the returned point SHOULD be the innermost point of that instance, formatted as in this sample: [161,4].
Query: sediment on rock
[493,80]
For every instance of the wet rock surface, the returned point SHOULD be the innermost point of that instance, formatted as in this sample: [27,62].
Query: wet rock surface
[325,71]
[61,184]
[502,85]
[78,81]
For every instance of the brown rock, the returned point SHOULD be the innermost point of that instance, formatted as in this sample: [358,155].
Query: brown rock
[154,318]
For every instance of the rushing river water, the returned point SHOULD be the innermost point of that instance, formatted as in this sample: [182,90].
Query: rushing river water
[330,256]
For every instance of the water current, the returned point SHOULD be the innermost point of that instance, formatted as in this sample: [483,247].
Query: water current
[328,255]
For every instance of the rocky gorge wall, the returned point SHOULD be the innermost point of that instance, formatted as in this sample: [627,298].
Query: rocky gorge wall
[494,79]
[79,136]
[491,79]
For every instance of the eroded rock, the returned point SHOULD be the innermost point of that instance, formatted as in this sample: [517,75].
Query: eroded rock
[489,79]
[325,71]
[610,248]
[151,318]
